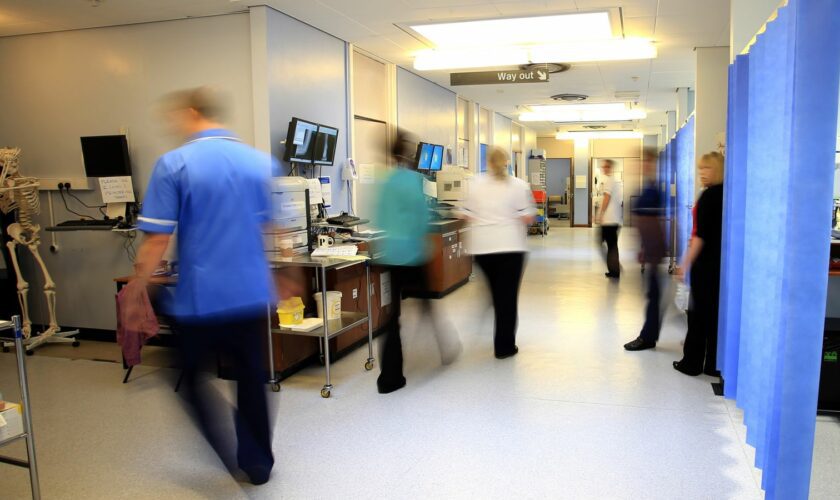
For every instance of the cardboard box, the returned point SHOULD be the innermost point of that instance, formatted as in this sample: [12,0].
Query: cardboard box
[11,421]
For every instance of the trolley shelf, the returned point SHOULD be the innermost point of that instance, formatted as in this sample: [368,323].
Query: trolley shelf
[12,439]
[348,321]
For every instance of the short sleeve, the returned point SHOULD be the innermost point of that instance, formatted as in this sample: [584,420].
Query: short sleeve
[526,201]
[161,205]
[608,186]
[264,194]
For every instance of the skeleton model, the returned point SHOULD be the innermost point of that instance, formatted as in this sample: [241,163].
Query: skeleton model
[21,193]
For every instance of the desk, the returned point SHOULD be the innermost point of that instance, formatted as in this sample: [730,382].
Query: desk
[332,328]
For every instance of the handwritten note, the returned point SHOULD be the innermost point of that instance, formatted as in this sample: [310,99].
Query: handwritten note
[116,189]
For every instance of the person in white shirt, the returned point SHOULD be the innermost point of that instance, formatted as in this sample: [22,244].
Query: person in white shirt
[610,217]
[499,209]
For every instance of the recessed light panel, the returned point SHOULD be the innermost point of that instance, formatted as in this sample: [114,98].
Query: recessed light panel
[518,31]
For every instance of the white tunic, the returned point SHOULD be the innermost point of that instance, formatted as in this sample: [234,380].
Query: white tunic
[495,208]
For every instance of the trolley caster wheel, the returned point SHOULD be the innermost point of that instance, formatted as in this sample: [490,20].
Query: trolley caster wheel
[29,353]
[275,387]
[325,393]
[76,343]
[321,360]
[369,365]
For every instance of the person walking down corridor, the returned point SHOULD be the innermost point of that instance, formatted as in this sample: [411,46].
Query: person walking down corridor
[610,216]
[403,214]
[215,191]
[702,266]
[647,215]
[499,209]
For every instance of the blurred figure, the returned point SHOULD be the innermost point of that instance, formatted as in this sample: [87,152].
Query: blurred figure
[648,219]
[499,209]
[214,190]
[702,264]
[403,214]
[610,216]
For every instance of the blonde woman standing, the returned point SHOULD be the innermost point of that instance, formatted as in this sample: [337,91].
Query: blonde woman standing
[702,264]
[499,209]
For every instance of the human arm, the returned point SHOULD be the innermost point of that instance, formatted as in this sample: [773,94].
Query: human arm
[695,246]
[603,210]
[150,254]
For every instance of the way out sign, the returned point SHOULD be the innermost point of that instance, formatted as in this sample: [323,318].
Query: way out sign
[499,77]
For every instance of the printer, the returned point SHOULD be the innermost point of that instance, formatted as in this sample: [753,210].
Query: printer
[290,217]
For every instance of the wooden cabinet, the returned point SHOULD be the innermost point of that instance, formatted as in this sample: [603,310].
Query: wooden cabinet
[450,267]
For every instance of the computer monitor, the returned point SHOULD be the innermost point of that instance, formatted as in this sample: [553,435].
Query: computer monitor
[300,141]
[424,156]
[437,159]
[106,156]
[325,143]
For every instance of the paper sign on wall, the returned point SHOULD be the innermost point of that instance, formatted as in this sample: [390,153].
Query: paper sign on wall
[581,182]
[367,173]
[116,189]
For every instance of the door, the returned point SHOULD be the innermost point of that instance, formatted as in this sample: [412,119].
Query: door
[558,183]
[371,139]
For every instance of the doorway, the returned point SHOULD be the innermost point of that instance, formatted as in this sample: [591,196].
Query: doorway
[558,184]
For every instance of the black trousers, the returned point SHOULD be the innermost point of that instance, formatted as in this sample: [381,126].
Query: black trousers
[241,341]
[653,311]
[700,350]
[504,275]
[391,355]
[609,235]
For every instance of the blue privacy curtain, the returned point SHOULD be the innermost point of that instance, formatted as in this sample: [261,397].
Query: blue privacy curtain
[777,217]
[682,158]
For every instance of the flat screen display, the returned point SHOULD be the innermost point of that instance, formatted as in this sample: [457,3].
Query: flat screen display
[300,141]
[424,156]
[437,159]
[106,156]
[325,142]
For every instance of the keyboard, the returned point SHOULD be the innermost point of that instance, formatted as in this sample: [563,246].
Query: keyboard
[336,251]
[89,223]
[343,220]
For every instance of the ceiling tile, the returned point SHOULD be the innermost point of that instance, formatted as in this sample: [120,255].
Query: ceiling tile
[639,26]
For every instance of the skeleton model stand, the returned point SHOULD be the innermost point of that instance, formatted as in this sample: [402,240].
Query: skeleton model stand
[21,193]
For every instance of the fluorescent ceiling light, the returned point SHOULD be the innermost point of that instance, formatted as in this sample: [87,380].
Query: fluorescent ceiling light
[571,52]
[518,31]
[606,134]
[574,113]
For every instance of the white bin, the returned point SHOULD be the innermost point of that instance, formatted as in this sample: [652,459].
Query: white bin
[333,305]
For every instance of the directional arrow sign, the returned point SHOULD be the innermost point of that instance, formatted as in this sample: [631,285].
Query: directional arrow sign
[499,77]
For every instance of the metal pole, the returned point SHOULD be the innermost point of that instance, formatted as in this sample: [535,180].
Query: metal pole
[27,410]
[369,315]
[325,392]
[272,375]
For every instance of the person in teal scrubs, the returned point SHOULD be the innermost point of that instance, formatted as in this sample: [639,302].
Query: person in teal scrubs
[401,211]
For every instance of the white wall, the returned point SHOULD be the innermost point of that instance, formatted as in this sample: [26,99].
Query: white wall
[57,87]
[307,71]
[711,101]
[502,132]
[748,16]
[426,109]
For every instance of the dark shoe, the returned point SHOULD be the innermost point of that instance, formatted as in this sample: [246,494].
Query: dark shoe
[258,475]
[639,344]
[386,386]
[508,354]
[612,275]
[680,367]
[712,372]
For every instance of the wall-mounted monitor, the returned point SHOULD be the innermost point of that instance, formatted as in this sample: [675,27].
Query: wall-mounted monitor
[437,159]
[325,143]
[424,156]
[106,156]
[300,141]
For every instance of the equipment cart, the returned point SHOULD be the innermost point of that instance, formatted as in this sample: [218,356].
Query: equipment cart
[332,328]
[540,224]
[30,463]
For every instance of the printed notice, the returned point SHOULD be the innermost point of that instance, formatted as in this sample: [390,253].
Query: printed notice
[116,189]
[367,174]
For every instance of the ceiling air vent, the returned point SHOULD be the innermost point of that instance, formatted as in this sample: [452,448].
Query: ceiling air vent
[570,97]
[550,67]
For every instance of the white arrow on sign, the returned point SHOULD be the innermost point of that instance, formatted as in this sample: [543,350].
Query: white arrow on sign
[541,75]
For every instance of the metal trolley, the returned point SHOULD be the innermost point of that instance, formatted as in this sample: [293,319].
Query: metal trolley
[332,328]
[27,434]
